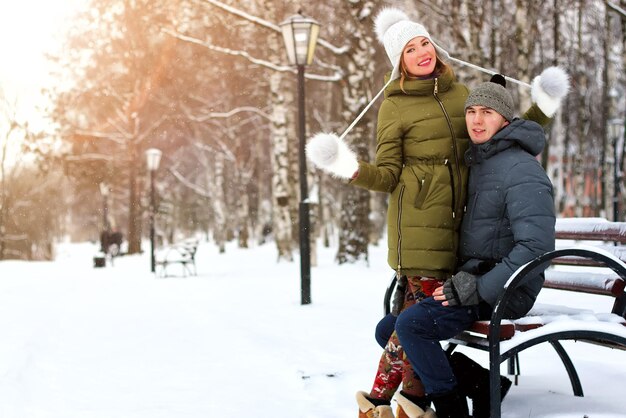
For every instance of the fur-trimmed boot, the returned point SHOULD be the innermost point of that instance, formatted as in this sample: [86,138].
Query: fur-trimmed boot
[415,408]
[451,405]
[473,381]
[367,408]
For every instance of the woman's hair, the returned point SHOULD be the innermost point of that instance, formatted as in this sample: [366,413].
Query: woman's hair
[440,69]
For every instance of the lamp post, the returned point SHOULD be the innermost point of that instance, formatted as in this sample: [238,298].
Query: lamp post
[300,36]
[104,235]
[614,128]
[153,158]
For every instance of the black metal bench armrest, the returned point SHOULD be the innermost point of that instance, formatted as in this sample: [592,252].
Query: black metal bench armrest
[532,268]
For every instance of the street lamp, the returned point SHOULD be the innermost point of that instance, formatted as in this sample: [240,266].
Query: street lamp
[614,127]
[153,158]
[300,36]
[104,234]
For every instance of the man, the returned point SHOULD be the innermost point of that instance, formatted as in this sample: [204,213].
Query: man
[508,222]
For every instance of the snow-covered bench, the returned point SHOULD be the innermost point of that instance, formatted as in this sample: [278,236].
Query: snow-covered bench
[597,269]
[182,253]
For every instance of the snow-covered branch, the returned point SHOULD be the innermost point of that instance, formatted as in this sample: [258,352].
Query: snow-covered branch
[244,54]
[153,126]
[90,156]
[198,189]
[228,51]
[225,115]
[123,132]
[119,139]
[616,8]
[334,49]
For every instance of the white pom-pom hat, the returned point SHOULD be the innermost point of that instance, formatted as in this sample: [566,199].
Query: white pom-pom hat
[394,30]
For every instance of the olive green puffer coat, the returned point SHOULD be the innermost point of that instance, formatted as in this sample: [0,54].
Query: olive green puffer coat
[419,160]
[421,140]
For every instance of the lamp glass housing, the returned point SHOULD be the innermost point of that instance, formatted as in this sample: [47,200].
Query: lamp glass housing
[153,158]
[300,35]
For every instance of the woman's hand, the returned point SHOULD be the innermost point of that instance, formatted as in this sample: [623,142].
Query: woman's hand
[438,295]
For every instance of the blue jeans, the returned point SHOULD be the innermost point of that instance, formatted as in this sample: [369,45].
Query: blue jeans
[384,329]
[420,328]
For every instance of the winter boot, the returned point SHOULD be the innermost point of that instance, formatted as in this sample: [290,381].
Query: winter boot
[414,408]
[473,381]
[367,408]
[451,405]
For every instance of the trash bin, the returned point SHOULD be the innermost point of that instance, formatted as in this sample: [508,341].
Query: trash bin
[99,260]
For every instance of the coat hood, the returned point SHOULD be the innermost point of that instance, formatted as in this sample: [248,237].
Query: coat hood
[528,135]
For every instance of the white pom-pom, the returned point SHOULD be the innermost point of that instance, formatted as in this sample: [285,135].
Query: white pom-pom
[322,149]
[549,88]
[332,155]
[386,18]
[555,82]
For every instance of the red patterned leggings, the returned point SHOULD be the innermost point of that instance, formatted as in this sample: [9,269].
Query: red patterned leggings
[394,367]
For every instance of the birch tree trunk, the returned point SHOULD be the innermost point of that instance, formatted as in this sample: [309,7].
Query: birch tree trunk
[134,205]
[282,198]
[355,207]
[243,208]
[523,53]
[218,199]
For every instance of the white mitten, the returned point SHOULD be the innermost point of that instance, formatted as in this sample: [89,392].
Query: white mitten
[332,155]
[549,88]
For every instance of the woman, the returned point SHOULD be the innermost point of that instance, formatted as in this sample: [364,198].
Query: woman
[421,140]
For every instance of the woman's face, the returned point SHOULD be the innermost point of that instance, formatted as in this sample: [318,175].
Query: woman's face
[419,57]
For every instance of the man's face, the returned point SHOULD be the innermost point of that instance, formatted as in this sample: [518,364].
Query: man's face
[483,123]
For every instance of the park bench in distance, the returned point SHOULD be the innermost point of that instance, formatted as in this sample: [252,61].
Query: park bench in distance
[594,251]
[182,254]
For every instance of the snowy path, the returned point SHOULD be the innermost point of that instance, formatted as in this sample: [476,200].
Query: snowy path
[79,342]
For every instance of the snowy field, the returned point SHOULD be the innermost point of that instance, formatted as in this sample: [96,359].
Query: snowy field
[233,342]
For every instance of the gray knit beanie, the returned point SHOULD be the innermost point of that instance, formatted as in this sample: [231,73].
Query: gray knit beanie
[494,95]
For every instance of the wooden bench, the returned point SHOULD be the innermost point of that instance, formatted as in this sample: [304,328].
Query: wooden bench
[592,269]
[182,253]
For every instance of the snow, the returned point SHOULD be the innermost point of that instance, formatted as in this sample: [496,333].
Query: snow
[598,225]
[85,342]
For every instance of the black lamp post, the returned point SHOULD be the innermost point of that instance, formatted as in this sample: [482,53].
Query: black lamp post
[300,36]
[104,234]
[153,158]
[614,128]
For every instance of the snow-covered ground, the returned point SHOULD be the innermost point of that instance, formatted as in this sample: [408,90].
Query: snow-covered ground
[233,342]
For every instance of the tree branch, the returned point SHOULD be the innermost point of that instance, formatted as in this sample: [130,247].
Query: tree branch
[334,49]
[198,189]
[244,54]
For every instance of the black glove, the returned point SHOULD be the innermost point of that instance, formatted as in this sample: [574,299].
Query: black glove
[397,301]
[461,289]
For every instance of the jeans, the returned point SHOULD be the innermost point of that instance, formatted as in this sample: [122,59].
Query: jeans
[384,329]
[420,328]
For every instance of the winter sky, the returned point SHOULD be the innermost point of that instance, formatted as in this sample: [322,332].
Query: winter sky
[29,29]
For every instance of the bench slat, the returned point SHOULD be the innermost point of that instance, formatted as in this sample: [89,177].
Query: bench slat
[594,229]
[607,284]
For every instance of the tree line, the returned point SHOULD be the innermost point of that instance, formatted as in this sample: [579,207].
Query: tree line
[208,83]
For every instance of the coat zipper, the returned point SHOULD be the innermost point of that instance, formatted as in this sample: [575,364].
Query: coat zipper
[400,231]
[454,147]
[452,186]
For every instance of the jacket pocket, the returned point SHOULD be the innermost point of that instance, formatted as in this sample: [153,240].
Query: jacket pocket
[423,185]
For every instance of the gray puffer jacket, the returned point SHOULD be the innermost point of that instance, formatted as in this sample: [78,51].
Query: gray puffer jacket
[510,215]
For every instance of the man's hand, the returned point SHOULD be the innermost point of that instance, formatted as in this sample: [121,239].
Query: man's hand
[460,289]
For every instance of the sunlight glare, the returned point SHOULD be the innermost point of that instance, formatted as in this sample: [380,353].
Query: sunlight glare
[29,29]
